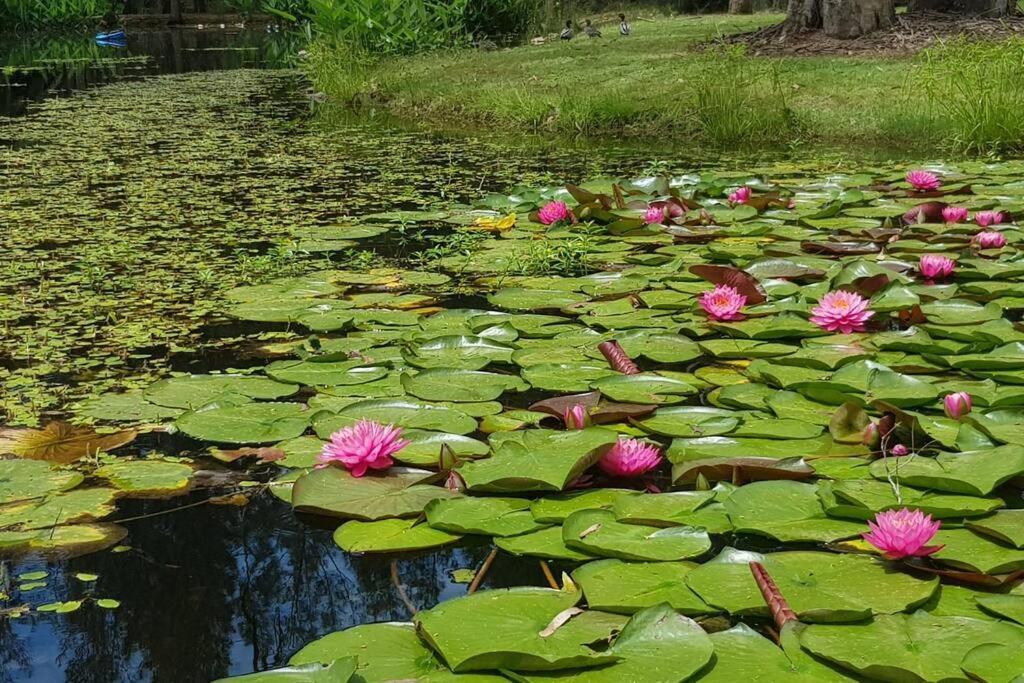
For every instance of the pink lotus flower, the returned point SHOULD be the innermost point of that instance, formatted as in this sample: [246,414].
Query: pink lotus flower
[924,181]
[899,450]
[554,212]
[954,214]
[872,436]
[903,533]
[841,311]
[987,218]
[723,303]
[936,266]
[741,195]
[957,405]
[990,239]
[576,417]
[630,458]
[365,445]
[654,214]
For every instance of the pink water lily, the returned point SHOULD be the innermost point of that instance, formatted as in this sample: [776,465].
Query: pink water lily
[723,303]
[630,458]
[924,181]
[957,404]
[955,214]
[576,417]
[741,195]
[654,214]
[990,239]
[936,266]
[554,212]
[987,218]
[366,445]
[899,450]
[903,533]
[842,311]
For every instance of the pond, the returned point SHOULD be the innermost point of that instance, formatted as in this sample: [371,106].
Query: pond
[195,251]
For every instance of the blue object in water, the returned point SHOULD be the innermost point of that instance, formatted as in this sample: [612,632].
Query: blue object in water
[115,38]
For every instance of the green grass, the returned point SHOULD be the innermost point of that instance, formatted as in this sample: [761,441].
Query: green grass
[654,83]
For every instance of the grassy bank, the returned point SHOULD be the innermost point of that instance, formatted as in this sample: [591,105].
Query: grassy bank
[654,83]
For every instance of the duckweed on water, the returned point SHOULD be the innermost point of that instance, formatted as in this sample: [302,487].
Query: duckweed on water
[781,438]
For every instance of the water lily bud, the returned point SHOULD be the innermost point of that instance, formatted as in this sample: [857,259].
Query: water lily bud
[957,405]
[872,436]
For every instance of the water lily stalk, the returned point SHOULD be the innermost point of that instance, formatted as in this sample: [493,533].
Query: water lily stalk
[617,358]
[483,571]
[401,588]
[548,575]
[780,609]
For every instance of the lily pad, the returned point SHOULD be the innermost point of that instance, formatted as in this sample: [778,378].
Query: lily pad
[396,492]
[464,631]
[390,536]
[819,587]
[487,516]
[598,532]
[627,587]
[248,423]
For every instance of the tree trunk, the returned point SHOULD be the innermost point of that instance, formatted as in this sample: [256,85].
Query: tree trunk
[741,7]
[839,18]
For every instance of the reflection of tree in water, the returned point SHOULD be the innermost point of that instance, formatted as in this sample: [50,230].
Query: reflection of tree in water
[212,591]
[13,653]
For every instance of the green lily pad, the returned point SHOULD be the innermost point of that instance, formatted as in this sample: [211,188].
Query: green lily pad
[194,391]
[424,447]
[743,654]
[787,511]
[247,423]
[321,373]
[819,587]
[863,498]
[546,543]
[972,552]
[338,671]
[139,478]
[555,509]
[1005,526]
[627,587]
[28,479]
[690,421]
[442,384]
[902,647]
[487,516]
[464,631]
[599,533]
[995,663]
[545,460]
[390,536]
[644,388]
[974,473]
[396,492]
[398,412]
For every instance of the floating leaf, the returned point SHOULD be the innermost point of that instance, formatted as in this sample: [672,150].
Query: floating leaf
[60,442]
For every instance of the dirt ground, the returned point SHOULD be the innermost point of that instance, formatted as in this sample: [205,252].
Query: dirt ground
[911,33]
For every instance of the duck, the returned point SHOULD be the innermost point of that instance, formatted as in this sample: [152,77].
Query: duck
[591,30]
[567,32]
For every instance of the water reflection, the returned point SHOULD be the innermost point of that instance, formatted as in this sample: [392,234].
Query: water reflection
[38,66]
[216,590]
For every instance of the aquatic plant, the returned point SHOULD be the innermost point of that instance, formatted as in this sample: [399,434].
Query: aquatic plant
[903,533]
[723,303]
[954,214]
[842,311]
[957,404]
[923,181]
[935,266]
[990,239]
[740,195]
[987,218]
[654,215]
[630,458]
[366,445]
[576,417]
[554,212]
